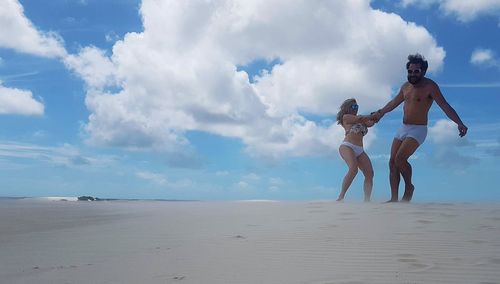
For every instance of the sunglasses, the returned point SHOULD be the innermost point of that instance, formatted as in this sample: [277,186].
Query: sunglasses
[416,71]
[354,106]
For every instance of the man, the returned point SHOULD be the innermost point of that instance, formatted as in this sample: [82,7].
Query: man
[418,94]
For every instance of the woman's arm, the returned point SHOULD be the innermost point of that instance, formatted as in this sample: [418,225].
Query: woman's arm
[369,123]
[351,118]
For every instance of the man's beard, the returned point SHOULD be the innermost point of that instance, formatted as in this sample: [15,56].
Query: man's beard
[414,79]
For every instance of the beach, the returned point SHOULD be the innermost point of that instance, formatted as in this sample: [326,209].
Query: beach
[49,241]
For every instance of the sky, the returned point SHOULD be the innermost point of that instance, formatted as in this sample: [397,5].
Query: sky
[236,100]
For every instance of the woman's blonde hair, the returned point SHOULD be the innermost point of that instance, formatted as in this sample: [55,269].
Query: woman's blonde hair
[344,108]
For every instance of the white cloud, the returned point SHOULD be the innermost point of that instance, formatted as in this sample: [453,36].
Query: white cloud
[65,155]
[180,73]
[18,33]
[484,57]
[153,177]
[444,132]
[17,101]
[92,65]
[469,10]
[242,185]
[481,56]
[111,37]
[420,3]
[465,11]
[489,146]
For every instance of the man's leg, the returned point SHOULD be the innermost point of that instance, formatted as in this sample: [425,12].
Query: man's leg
[393,171]
[407,148]
[409,187]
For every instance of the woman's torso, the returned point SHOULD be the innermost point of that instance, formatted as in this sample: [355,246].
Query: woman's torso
[354,133]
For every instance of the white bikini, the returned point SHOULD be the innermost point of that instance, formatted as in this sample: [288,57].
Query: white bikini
[358,150]
[357,128]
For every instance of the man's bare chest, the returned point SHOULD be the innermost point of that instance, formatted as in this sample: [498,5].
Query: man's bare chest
[418,96]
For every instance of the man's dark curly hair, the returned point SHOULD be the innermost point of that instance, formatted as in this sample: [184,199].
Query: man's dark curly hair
[417,59]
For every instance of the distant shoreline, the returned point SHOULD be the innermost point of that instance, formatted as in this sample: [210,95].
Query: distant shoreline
[97,199]
[75,198]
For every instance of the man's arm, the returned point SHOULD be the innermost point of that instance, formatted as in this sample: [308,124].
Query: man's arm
[392,104]
[448,110]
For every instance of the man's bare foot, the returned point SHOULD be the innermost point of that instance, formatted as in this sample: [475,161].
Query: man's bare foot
[407,196]
[391,200]
[340,199]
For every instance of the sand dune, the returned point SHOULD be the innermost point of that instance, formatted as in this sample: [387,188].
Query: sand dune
[248,242]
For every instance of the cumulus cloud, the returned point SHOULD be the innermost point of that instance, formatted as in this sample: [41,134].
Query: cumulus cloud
[484,57]
[481,56]
[18,32]
[93,66]
[181,73]
[465,11]
[17,101]
[444,135]
[445,132]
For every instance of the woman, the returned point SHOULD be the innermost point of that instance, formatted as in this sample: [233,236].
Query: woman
[351,149]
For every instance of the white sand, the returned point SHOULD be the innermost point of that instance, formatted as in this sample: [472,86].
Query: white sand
[248,242]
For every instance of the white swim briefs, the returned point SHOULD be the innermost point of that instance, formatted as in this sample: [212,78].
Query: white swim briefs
[417,132]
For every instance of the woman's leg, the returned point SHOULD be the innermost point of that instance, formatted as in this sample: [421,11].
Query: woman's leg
[366,167]
[352,163]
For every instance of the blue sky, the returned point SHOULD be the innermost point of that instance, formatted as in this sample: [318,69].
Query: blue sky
[226,100]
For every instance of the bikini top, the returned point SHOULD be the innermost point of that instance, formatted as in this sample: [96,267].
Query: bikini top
[358,128]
